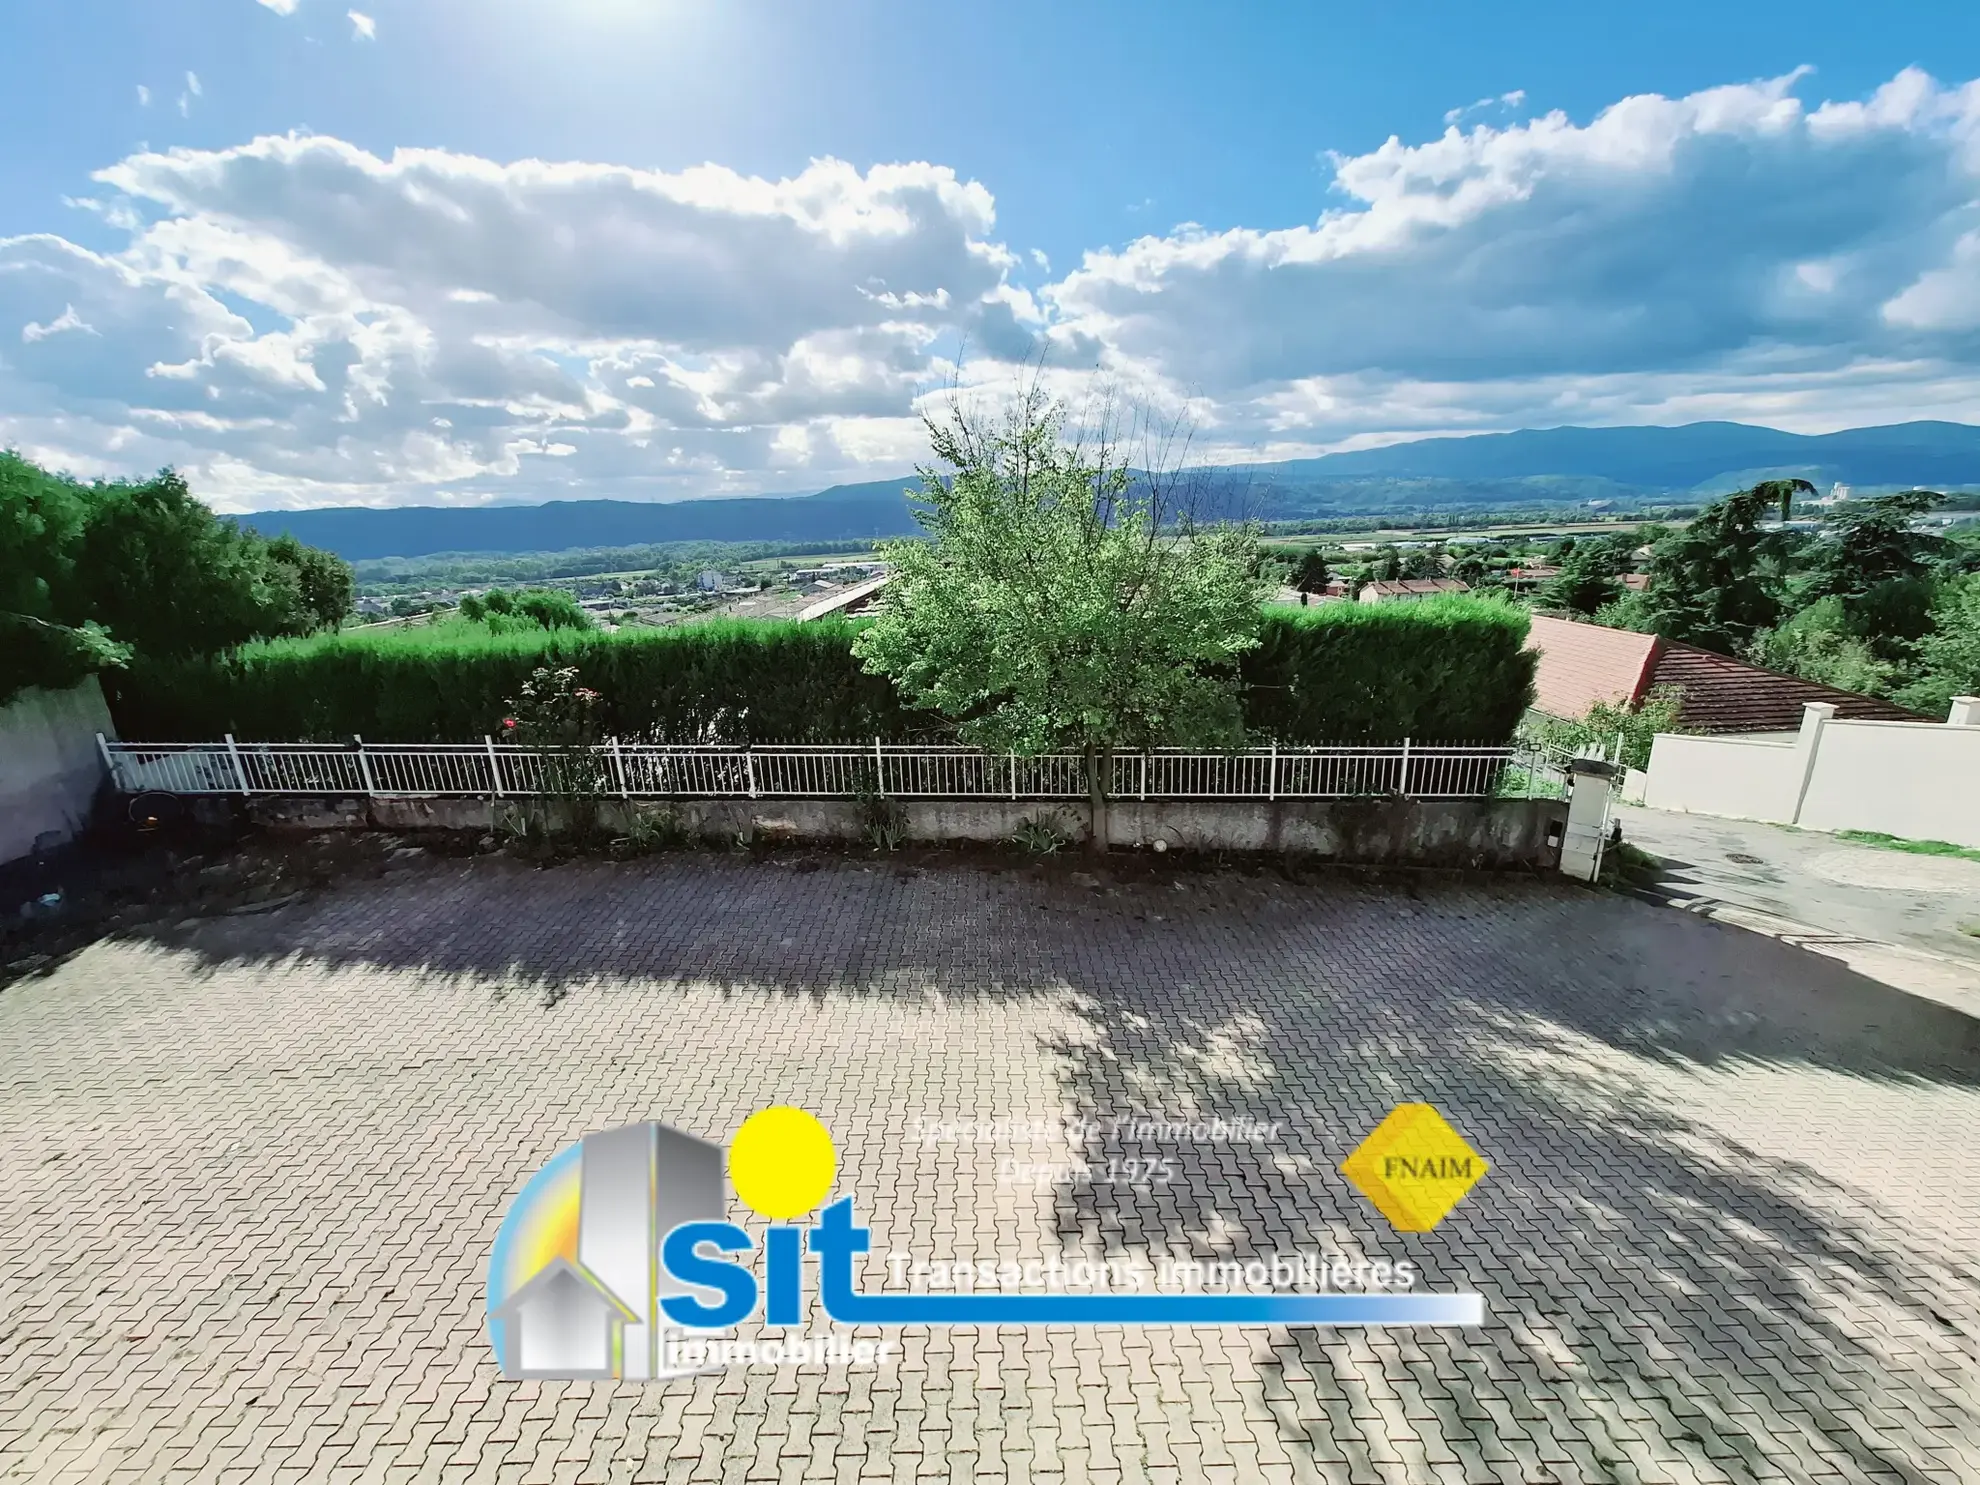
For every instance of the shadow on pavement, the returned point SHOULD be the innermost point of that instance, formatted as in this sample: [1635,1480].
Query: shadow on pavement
[1664,1302]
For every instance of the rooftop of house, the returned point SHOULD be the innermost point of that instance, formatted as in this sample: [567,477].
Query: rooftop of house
[1414,587]
[1583,663]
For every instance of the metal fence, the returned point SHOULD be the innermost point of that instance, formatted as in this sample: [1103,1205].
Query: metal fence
[820,771]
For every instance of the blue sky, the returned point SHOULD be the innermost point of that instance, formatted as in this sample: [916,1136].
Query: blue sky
[300,249]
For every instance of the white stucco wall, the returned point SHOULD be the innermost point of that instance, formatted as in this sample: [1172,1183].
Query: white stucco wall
[1722,776]
[1919,780]
[1904,778]
[50,767]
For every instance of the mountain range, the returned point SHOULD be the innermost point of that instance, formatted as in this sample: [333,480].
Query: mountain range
[1538,467]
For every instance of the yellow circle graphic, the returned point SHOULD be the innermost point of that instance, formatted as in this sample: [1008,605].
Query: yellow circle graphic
[781,1162]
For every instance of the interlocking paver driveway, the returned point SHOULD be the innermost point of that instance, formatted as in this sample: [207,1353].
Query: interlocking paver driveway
[252,1168]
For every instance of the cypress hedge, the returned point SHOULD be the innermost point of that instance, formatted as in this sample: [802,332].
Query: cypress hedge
[1449,669]
[1433,670]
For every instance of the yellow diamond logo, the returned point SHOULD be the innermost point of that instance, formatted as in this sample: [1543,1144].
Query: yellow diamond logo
[1414,1167]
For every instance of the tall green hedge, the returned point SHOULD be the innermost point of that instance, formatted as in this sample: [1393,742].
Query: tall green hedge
[1437,670]
[1442,669]
[738,681]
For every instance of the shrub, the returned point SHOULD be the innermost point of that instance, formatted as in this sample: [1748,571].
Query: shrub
[1619,732]
[722,681]
[1440,669]
[1437,669]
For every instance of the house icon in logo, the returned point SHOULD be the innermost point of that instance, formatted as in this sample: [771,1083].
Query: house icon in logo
[595,1312]
[563,1323]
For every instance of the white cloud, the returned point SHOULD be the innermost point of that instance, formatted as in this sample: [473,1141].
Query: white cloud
[68,319]
[297,320]
[143,96]
[363,27]
[1471,279]
[1514,100]
[281,7]
[192,84]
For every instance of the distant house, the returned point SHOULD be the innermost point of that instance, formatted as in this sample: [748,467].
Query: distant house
[1582,664]
[1395,590]
[1529,577]
[711,581]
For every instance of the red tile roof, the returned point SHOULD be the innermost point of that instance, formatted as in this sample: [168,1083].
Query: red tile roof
[1581,664]
[1726,695]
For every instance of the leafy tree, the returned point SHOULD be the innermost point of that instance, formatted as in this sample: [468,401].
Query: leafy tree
[1949,657]
[1062,600]
[41,641]
[532,608]
[1821,644]
[324,589]
[90,574]
[552,608]
[1470,569]
[1717,583]
[1587,579]
[1625,612]
[1272,568]
[1617,728]
[1312,576]
[1870,543]
[161,571]
[1419,564]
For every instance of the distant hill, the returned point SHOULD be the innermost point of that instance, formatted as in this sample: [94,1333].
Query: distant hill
[1695,458]
[1559,467]
[362,533]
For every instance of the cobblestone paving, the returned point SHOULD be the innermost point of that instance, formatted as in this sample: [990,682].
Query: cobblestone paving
[250,1170]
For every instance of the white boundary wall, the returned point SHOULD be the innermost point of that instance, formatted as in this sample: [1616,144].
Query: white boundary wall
[1919,780]
[51,765]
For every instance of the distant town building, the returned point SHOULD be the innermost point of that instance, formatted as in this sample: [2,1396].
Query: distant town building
[1529,577]
[711,581]
[860,598]
[1393,590]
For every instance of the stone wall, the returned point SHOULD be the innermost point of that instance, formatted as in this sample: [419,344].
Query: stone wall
[1492,833]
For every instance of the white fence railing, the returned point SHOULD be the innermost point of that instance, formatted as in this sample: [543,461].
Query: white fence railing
[826,771]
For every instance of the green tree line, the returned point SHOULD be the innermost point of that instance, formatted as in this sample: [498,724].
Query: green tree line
[97,575]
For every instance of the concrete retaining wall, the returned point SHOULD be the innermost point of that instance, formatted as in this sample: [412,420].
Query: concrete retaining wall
[1498,833]
[50,767]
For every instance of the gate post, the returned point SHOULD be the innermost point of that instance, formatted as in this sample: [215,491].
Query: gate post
[234,753]
[1590,781]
